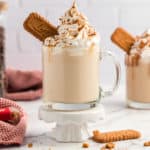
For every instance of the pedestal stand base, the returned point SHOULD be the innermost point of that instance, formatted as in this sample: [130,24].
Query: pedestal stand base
[71,126]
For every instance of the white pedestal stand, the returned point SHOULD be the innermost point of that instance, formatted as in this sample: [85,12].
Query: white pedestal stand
[71,126]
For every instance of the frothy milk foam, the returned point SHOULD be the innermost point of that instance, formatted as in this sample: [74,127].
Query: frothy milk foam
[70,61]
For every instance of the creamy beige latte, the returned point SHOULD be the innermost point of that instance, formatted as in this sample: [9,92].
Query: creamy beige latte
[70,79]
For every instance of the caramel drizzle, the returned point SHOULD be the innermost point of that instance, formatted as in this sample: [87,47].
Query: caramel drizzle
[132,60]
[149,69]
[132,72]
[49,54]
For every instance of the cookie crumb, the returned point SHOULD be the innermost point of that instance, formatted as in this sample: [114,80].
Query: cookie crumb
[110,145]
[30,145]
[147,143]
[85,145]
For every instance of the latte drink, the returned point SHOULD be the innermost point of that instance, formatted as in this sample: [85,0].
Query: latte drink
[138,73]
[71,63]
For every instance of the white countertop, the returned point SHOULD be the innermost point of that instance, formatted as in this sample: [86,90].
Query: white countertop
[118,116]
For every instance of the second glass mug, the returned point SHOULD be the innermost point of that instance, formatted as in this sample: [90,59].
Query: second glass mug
[71,80]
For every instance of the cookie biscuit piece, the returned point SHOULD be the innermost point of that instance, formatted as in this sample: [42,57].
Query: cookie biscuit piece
[30,145]
[39,27]
[115,136]
[147,143]
[110,145]
[123,39]
[85,145]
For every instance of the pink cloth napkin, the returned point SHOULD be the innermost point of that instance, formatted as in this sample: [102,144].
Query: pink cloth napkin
[23,85]
[12,134]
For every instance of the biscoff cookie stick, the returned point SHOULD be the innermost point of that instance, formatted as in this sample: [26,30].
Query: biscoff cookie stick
[115,136]
[39,26]
[123,39]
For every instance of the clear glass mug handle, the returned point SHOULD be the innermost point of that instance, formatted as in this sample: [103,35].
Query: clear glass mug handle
[102,55]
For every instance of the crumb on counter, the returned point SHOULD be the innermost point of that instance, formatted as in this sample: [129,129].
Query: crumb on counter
[147,143]
[110,145]
[85,145]
[30,145]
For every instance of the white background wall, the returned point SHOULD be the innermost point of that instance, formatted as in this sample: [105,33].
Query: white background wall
[23,51]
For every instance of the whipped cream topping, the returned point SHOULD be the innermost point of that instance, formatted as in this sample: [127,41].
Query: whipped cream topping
[142,45]
[74,32]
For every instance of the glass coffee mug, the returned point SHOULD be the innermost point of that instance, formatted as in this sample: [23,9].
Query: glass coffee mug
[138,82]
[71,78]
